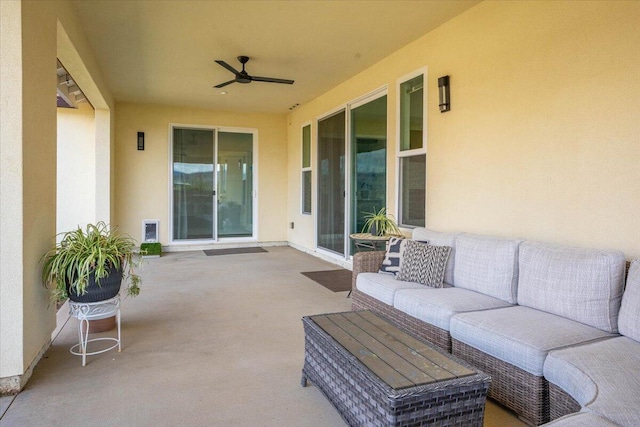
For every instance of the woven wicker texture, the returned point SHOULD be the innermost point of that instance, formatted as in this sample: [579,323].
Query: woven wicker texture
[524,393]
[364,400]
[366,262]
[560,403]
[369,262]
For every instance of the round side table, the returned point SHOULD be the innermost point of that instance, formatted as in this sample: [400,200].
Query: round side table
[86,311]
[369,241]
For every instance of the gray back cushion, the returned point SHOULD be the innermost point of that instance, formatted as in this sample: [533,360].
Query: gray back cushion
[580,284]
[488,265]
[629,320]
[437,238]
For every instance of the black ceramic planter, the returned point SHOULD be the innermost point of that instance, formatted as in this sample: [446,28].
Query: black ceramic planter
[108,288]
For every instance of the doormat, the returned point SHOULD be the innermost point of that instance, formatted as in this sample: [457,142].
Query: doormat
[233,251]
[334,280]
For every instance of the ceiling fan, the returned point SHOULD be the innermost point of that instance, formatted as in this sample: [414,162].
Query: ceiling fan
[244,77]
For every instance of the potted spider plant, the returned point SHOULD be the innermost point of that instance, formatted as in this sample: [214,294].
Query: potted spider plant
[89,265]
[380,223]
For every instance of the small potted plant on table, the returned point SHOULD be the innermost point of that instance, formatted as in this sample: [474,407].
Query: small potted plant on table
[380,223]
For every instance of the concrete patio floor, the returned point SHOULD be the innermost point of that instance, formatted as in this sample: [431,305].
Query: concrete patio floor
[210,341]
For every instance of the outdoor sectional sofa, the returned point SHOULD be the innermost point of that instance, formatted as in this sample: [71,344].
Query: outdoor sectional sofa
[549,323]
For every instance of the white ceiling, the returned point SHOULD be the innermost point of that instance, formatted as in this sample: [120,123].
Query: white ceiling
[163,52]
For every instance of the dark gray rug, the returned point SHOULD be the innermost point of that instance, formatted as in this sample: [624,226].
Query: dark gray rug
[334,280]
[233,251]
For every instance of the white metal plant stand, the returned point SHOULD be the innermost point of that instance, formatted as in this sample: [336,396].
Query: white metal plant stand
[86,311]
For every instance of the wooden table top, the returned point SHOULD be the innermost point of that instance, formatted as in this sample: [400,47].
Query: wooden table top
[370,237]
[395,357]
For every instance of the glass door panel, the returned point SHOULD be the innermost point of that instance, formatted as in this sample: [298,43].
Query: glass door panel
[331,183]
[235,184]
[192,166]
[368,161]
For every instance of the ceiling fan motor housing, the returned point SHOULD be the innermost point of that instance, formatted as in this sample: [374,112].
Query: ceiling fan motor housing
[243,77]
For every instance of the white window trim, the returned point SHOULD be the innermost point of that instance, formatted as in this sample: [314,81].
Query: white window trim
[304,169]
[415,152]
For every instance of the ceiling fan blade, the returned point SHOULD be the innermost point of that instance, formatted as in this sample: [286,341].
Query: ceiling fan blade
[271,80]
[227,66]
[225,83]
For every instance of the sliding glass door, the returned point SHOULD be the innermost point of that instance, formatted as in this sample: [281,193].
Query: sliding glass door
[331,183]
[212,184]
[361,168]
[193,195]
[235,184]
[368,161]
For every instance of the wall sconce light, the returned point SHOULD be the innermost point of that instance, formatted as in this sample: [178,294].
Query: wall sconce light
[141,141]
[444,95]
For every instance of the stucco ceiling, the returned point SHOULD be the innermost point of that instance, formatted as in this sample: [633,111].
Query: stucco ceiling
[163,52]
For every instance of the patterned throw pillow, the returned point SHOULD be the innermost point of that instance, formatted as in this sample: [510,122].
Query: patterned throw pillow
[393,257]
[424,264]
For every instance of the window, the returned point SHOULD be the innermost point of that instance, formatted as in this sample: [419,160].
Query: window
[412,153]
[306,170]
[413,173]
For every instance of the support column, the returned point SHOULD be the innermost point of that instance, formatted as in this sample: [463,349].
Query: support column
[27,184]
[104,168]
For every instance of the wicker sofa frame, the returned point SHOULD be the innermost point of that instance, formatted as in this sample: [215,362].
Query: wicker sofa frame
[532,397]
[370,262]
[560,403]
[526,394]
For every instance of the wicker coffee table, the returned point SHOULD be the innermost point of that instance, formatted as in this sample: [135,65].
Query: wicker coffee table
[375,374]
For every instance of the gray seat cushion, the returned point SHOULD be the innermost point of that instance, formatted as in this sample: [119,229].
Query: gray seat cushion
[437,308]
[488,265]
[383,286]
[581,419]
[584,285]
[601,376]
[519,335]
[629,319]
[439,239]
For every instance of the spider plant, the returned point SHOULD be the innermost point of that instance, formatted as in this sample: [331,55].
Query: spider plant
[82,255]
[380,223]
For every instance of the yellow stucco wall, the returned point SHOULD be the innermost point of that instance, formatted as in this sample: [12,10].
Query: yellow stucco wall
[142,177]
[28,197]
[76,154]
[33,35]
[543,137]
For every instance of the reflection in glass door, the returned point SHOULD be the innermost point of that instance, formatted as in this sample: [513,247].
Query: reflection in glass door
[193,197]
[235,184]
[331,183]
[212,184]
[368,161]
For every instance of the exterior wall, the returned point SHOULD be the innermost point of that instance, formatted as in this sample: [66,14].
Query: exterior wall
[142,177]
[33,34]
[543,137]
[76,158]
[28,195]
[77,56]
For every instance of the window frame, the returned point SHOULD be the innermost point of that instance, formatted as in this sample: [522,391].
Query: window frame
[402,154]
[306,170]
